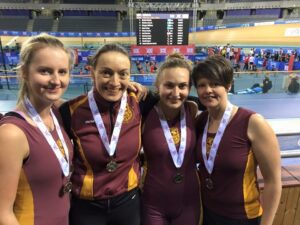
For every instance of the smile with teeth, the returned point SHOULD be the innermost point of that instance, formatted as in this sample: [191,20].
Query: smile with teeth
[210,97]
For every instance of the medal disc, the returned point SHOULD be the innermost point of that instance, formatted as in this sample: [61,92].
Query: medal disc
[67,188]
[178,178]
[209,183]
[111,166]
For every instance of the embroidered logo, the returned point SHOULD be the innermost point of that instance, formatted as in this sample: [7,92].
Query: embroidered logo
[128,115]
[175,135]
[61,147]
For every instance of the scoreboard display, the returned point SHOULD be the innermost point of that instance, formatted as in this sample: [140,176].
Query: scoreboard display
[162,29]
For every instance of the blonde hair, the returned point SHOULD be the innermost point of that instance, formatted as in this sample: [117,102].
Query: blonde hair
[28,50]
[173,61]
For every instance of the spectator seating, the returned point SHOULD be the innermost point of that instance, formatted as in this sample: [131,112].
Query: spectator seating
[14,23]
[43,24]
[87,24]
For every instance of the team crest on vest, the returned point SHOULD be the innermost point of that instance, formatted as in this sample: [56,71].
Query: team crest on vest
[175,135]
[209,144]
[60,146]
[128,115]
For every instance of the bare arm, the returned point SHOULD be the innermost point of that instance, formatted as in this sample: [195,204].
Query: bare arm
[13,149]
[267,153]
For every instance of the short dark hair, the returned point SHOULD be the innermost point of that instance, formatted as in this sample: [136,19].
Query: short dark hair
[215,68]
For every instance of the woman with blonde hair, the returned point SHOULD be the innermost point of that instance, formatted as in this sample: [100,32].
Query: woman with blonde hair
[171,190]
[35,151]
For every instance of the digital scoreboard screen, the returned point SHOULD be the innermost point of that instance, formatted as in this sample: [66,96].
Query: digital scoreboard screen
[162,29]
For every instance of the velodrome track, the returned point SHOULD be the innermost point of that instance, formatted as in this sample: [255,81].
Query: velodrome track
[261,35]
[280,35]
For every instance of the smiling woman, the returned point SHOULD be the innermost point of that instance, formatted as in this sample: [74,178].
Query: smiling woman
[111,74]
[169,143]
[106,165]
[231,145]
[35,151]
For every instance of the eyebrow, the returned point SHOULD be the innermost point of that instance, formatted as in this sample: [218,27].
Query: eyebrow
[108,68]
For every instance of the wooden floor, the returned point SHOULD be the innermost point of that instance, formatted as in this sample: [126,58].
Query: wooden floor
[288,212]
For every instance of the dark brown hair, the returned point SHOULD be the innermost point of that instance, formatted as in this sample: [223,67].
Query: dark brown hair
[108,48]
[215,68]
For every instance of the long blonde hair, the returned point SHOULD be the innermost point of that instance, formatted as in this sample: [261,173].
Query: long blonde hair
[28,50]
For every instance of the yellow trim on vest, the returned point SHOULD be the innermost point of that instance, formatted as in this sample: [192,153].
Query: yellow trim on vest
[23,205]
[88,180]
[251,193]
[87,186]
[132,179]
[132,94]
[74,105]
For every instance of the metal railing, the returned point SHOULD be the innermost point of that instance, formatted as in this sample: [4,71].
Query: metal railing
[290,153]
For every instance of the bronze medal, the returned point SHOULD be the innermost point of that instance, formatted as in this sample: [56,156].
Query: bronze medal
[209,183]
[111,166]
[178,178]
[68,187]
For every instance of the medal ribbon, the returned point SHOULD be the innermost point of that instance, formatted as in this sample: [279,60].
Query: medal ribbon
[177,157]
[64,162]
[209,163]
[110,147]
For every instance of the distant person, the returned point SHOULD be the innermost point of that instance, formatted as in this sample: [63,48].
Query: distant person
[294,86]
[287,80]
[35,151]
[251,62]
[267,85]
[246,62]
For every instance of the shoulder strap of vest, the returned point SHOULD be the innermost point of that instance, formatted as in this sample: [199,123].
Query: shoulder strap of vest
[15,114]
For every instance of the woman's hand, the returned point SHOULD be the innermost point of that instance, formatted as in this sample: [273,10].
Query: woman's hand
[140,90]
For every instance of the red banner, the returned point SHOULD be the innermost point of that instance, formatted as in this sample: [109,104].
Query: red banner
[162,50]
[291,62]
